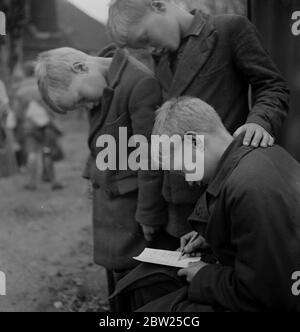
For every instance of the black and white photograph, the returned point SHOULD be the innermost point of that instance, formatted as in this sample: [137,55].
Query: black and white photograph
[149,159]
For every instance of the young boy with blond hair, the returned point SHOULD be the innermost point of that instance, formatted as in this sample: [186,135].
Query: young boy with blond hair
[119,92]
[214,58]
[249,218]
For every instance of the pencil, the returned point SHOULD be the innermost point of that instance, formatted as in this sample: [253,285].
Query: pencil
[192,239]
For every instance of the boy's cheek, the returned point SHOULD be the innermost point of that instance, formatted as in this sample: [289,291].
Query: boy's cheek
[92,94]
[86,107]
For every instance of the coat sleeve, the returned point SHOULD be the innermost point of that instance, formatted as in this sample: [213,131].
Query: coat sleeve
[144,101]
[265,245]
[270,94]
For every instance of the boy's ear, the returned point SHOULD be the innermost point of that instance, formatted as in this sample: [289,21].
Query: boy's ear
[193,137]
[159,6]
[79,67]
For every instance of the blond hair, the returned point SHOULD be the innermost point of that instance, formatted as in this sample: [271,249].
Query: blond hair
[54,74]
[124,13]
[185,114]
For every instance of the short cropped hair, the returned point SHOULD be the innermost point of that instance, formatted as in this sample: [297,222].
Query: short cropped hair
[54,74]
[124,13]
[185,114]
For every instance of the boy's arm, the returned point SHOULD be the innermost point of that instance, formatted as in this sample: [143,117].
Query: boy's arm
[145,99]
[269,90]
[261,276]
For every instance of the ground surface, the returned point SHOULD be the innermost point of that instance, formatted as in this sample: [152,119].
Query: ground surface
[46,240]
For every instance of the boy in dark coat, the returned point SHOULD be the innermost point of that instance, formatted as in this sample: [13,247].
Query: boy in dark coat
[212,58]
[249,217]
[129,94]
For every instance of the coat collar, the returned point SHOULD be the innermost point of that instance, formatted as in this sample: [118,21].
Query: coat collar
[100,112]
[197,25]
[117,67]
[202,39]
[231,158]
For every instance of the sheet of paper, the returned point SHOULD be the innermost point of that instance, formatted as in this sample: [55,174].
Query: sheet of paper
[167,258]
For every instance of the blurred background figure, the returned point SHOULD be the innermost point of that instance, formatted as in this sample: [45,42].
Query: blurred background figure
[37,132]
[8,165]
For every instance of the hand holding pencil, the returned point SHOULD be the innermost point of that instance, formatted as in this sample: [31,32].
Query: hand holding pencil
[192,242]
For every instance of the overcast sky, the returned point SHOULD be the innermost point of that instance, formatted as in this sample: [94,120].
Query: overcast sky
[98,9]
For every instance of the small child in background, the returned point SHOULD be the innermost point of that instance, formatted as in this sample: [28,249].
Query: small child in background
[8,146]
[38,133]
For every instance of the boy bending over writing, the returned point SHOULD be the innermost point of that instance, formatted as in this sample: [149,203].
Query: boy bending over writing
[249,217]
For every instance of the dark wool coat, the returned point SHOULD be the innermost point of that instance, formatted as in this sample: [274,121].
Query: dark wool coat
[124,199]
[218,60]
[251,217]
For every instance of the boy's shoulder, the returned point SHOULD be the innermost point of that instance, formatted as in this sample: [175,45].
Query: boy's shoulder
[125,70]
[261,170]
[138,67]
[231,20]
[231,23]
[134,71]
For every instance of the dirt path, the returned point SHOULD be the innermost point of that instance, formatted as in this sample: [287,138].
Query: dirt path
[46,240]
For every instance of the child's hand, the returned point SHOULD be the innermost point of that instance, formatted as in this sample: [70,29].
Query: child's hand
[149,232]
[191,271]
[190,248]
[255,135]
